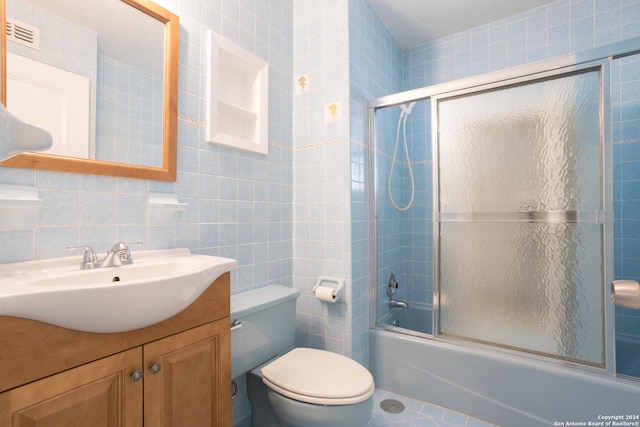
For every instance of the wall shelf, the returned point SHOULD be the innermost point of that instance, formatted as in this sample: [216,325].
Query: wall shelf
[164,209]
[234,121]
[19,207]
[237,97]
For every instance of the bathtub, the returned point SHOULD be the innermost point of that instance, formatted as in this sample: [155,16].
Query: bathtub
[494,386]
[417,318]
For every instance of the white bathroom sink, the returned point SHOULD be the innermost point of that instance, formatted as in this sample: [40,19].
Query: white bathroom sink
[158,285]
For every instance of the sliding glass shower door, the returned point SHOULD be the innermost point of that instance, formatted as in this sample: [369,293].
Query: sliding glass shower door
[524,216]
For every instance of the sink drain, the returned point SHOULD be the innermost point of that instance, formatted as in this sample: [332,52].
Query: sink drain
[392,406]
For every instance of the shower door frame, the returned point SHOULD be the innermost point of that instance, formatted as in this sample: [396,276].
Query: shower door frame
[603,216]
[529,72]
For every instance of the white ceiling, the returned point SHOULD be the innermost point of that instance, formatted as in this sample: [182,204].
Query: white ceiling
[410,22]
[413,22]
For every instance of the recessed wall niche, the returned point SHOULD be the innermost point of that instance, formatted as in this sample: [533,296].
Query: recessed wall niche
[237,97]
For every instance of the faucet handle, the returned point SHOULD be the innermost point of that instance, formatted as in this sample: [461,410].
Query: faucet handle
[122,249]
[90,258]
[121,246]
[392,285]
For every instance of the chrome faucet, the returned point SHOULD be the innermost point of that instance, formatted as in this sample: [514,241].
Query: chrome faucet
[90,260]
[118,255]
[395,303]
[392,288]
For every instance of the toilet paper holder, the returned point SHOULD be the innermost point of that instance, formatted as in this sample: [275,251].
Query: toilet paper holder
[329,282]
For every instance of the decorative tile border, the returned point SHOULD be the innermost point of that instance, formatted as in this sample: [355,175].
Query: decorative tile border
[275,144]
[190,120]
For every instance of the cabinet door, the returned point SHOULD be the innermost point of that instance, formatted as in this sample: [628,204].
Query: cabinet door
[98,394]
[193,384]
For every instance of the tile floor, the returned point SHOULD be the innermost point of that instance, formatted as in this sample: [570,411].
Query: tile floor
[418,414]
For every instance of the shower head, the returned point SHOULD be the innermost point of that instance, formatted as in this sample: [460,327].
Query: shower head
[407,110]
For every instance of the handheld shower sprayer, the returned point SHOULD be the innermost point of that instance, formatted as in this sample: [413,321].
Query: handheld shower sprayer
[407,110]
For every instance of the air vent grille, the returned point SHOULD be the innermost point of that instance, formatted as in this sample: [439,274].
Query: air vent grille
[22,33]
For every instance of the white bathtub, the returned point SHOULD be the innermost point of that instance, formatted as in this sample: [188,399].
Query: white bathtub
[508,390]
[416,318]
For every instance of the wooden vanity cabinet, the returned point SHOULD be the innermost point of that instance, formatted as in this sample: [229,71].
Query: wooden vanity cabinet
[167,380]
[98,394]
[191,387]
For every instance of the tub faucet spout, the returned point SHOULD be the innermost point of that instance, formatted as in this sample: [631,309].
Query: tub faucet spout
[395,303]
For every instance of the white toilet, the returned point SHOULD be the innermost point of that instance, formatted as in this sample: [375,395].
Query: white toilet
[289,387]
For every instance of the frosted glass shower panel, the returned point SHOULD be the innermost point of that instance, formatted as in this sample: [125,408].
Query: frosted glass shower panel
[521,258]
[530,286]
[522,148]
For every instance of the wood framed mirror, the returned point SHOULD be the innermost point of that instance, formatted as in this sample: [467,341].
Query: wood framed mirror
[119,143]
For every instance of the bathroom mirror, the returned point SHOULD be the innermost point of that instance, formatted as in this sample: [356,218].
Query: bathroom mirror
[127,53]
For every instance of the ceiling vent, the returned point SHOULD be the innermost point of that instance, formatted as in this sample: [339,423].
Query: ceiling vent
[22,33]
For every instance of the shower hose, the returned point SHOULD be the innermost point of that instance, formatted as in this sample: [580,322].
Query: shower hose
[402,122]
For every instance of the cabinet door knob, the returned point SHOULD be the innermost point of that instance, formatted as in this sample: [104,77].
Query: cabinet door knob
[155,367]
[136,375]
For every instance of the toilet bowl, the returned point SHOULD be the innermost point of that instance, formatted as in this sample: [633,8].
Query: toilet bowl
[293,387]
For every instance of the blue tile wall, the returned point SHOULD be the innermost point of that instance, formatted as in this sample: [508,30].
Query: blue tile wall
[375,69]
[239,204]
[321,173]
[128,114]
[405,237]
[559,28]
[626,181]
[391,222]
[418,232]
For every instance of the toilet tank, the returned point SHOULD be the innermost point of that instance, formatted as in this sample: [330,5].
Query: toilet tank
[262,326]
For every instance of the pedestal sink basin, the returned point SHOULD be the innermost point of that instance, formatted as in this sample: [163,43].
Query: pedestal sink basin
[158,285]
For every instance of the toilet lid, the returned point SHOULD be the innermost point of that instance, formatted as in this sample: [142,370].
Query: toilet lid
[318,376]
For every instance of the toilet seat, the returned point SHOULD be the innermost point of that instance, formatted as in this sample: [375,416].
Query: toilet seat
[319,377]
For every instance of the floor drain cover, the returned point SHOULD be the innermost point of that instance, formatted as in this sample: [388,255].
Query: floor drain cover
[392,406]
